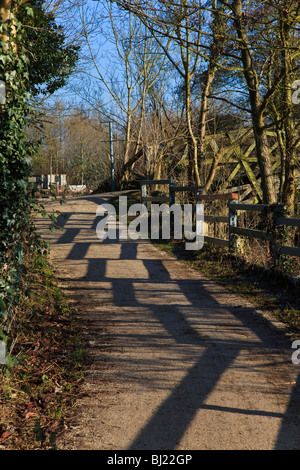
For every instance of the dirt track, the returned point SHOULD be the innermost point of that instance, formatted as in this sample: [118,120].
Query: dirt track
[178,362]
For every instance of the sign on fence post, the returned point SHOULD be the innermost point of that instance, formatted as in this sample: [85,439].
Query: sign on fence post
[232,223]
[144,193]
[2,353]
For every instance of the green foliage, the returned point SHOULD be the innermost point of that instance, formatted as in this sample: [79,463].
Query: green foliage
[33,59]
[52,61]
[15,154]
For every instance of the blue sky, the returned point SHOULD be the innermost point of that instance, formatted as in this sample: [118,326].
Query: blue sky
[103,47]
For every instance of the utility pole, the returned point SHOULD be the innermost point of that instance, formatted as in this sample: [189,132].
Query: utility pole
[112,157]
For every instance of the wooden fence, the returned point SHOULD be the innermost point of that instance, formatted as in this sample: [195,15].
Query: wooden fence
[272,236]
[234,208]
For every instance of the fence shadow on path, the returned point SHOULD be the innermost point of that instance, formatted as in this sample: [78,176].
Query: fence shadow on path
[157,291]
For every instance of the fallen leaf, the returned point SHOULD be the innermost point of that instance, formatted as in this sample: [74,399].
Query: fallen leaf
[5,435]
[31,414]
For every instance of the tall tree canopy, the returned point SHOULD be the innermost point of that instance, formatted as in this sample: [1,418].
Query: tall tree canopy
[256,44]
[51,59]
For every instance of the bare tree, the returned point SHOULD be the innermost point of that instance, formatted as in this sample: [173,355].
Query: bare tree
[180,23]
[135,65]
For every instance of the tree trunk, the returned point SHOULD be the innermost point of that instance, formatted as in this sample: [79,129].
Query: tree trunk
[262,146]
[289,186]
[202,124]
[192,141]
[7,16]
[218,28]
[264,161]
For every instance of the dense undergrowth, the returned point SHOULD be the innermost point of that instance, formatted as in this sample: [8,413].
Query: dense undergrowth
[36,324]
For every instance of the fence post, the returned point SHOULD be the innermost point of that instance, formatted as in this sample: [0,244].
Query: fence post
[144,193]
[232,216]
[171,202]
[277,210]
[172,191]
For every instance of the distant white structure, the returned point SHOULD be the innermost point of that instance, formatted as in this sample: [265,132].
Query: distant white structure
[45,181]
[77,187]
[54,179]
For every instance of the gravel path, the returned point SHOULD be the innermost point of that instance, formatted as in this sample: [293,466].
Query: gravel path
[179,363]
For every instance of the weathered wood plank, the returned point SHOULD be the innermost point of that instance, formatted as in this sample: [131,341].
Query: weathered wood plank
[214,197]
[188,188]
[289,250]
[251,233]
[288,221]
[155,199]
[216,218]
[216,241]
[251,207]
[169,181]
[252,178]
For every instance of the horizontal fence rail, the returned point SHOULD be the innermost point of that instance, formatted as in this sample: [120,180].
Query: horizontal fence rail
[232,219]
[160,199]
[216,241]
[278,221]
[288,222]
[251,207]
[216,197]
[216,218]
[251,233]
[289,251]
[193,189]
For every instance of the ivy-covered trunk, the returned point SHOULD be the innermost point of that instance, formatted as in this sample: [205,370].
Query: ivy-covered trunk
[288,67]
[14,154]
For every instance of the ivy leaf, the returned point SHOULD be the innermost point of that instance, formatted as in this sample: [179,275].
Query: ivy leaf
[29,11]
